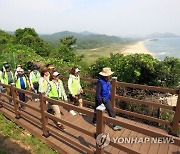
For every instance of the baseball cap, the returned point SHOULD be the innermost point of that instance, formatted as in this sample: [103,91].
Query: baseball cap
[77,70]
[56,74]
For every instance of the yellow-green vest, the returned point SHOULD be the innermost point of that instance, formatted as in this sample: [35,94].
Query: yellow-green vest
[54,93]
[34,78]
[5,79]
[75,85]
[44,87]
[18,84]
[1,76]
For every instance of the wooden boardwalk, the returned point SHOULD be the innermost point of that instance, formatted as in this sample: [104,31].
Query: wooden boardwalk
[63,146]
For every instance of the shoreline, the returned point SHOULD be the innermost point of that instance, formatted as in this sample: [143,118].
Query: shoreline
[138,47]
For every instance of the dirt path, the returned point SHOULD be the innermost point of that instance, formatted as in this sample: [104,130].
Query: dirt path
[11,146]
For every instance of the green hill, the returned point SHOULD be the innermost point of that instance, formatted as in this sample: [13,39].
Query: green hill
[85,40]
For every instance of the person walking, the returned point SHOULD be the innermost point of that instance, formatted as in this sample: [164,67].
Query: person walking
[103,94]
[21,83]
[8,78]
[44,85]
[34,77]
[44,81]
[75,89]
[18,67]
[56,91]
[1,80]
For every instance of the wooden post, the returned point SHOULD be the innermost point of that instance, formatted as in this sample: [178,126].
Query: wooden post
[158,115]
[113,92]
[44,119]
[16,104]
[99,128]
[176,118]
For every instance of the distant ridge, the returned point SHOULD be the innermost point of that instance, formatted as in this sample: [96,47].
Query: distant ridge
[161,35]
[87,33]
[85,39]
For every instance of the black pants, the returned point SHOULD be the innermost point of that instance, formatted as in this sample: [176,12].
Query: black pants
[22,97]
[108,106]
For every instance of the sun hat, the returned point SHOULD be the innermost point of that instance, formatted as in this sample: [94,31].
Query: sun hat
[19,69]
[77,70]
[56,74]
[106,72]
[51,67]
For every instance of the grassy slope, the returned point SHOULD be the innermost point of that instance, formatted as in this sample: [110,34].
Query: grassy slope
[11,131]
[91,55]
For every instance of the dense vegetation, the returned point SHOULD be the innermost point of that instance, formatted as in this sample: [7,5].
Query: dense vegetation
[141,69]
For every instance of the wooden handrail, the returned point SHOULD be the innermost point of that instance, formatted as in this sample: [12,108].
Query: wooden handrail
[29,118]
[7,106]
[27,105]
[176,118]
[141,116]
[52,117]
[127,99]
[75,143]
[7,96]
[70,106]
[27,92]
[152,88]
[140,129]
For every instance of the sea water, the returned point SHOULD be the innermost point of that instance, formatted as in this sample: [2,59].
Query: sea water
[163,47]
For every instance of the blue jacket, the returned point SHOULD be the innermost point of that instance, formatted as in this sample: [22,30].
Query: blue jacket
[103,90]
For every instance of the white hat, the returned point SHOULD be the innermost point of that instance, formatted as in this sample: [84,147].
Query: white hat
[106,72]
[77,70]
[19,69]
[55,74]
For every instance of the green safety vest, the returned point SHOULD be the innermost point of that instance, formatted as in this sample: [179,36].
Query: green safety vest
[75,84]
[18,84]
[35,78]
[54,92]
[1,76]
[5,79]
[44,86]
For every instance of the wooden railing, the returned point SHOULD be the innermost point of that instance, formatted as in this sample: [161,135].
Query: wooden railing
[101,116]
[114,97]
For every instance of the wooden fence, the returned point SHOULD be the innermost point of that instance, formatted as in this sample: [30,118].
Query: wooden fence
[101,116]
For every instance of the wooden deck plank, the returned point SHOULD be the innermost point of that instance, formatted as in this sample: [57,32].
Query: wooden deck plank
[137,146]
[144,148]
[78,122]
[121,133]
[172,149]
[57,143]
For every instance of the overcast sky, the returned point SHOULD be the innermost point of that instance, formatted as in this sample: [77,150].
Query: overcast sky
[112,17]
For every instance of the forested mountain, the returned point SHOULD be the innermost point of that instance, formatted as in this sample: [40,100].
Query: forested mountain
[85,40]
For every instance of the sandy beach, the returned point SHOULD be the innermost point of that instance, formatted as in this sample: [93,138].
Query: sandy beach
[136,48]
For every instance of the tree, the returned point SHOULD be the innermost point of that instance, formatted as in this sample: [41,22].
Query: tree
[30,38]
[66,49]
